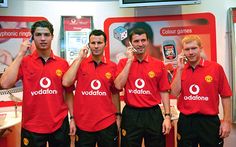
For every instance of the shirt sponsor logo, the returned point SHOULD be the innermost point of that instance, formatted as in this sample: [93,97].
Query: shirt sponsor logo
[95,85]
[139,84]
[194,90]
[45,83]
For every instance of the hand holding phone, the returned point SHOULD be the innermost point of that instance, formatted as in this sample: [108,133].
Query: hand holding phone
[185,59]
[87,45]
[84,51]
[31,39]
[133,49]
[28,49]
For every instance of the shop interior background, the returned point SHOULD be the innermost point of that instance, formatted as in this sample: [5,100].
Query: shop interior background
[100,10]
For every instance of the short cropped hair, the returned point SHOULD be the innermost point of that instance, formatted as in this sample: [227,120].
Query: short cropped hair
[132,25]
[43,24]
[98,33]
[138,31]
[191,38]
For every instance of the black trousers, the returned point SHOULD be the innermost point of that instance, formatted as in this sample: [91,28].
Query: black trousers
[198,129]
[59,138]
[142,123]
[107,137]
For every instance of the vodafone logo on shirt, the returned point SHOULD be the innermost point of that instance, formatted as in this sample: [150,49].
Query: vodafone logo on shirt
[95,85]
[139,84]
[47,84]
[44,83]
[194,89]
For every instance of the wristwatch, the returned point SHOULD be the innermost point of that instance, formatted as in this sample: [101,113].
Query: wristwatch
[167,114]
[71,117]
[118,114]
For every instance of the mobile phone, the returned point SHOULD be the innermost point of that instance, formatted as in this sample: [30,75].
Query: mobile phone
[87,45]
[88,51]
[169,51]
[31,39]
[185,59]
[134,50]
[28,49]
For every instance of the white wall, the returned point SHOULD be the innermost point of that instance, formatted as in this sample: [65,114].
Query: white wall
[53,10]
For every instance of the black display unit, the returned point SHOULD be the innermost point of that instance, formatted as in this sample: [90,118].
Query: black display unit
[3,3]
[144,3]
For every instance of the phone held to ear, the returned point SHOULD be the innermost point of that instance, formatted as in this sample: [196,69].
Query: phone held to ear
[133,49]
[87,45]
[185,60]
[31,39]
[88,50]
[28,49]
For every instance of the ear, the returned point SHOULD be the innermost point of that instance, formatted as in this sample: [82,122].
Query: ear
[200,48]
[203,54]
[105,44]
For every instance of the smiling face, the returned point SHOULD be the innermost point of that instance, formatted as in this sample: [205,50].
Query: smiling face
[140,43]
[42,38]
[192,49]
[193,52]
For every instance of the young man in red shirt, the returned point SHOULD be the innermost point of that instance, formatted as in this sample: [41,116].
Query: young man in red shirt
[45,100]
[145,82]
[198,83]
[96,102]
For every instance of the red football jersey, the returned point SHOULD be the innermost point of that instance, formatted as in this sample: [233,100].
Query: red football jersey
[145,81]
[201,87]
[93,107]
[43,107]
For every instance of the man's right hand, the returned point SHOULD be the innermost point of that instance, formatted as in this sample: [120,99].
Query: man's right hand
[83,52]
[181,61]
[25,45]
[130,53]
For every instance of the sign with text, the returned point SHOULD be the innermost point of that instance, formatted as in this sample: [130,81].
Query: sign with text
[165,35]
[13,31]
[161,29]
[74,34]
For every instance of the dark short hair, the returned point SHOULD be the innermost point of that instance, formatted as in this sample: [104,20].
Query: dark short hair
[132,25]
[138,31]
[98,33]
[43,24]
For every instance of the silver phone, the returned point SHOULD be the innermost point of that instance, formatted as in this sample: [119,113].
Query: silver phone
[134,50]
